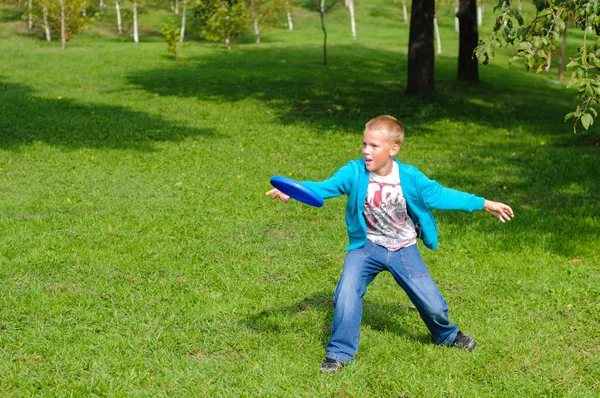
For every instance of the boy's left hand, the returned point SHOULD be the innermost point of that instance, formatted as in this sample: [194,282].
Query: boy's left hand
[500,210]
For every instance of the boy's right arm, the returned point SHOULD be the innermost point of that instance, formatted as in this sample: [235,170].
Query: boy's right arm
[339,184]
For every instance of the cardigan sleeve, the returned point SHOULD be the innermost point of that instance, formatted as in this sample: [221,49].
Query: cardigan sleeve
[339,184]
[438,197]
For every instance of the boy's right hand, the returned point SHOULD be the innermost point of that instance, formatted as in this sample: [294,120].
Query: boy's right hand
[277,194]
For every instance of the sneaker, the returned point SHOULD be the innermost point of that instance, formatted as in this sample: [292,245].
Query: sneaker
[463,341]
[330,365]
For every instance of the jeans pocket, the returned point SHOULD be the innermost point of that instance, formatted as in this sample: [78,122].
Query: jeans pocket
[413,262]
[368,249]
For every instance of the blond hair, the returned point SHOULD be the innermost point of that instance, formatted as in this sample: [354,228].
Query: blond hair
[388,125]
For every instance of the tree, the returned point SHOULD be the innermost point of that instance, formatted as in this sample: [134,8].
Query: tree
[136,37]
[171,33]
[65,16]
[322,10]
[421,55]
[30,17]
[119,24]
[468,39]
[45,19]
[289,15]
[221,20]
[350,5]
[535,40]
[264,13]
[183,16]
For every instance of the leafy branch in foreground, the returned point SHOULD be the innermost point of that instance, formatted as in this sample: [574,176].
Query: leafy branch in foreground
[535,41]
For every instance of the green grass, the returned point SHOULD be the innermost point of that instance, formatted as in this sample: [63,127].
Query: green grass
[139,256]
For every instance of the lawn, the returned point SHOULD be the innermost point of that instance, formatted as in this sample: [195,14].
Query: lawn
[140,257]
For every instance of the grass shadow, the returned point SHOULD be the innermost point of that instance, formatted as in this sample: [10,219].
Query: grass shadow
[376,316]
[65,123]
[358,82]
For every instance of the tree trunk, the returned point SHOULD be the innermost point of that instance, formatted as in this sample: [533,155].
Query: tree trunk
[436,29]
[468,68]
[30,14]
[136,37]
[119,24]
[176,6]
[561,61]
[404,11]
[101,4]
[183,12]
[63,34]
[322,12]
[289,15]
[256,31]
[421,57]
[46,27]
[255,24]
[352,21]
[456,22]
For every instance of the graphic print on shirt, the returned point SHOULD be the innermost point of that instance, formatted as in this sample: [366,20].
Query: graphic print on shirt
[386,215]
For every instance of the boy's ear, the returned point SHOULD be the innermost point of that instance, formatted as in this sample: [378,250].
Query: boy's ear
[394,150]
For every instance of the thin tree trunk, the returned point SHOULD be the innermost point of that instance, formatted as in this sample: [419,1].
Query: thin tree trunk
[256,31]
[255,24]
[30,14]
[468,68]
[46,27]
[404,11]
[436,29]
[421,55]
[101,4]
[119,25]
[352,21]
[322,12]
[289,15]
[561,61]
[547,68]
[63,35]
[479,15]
[456,22]
[183,13]
[176,6]
[228,40]
[136,37]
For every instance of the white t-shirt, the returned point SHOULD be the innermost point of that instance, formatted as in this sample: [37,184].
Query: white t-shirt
[388,223]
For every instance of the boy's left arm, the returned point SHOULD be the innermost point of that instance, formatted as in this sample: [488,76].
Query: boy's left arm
[438,197]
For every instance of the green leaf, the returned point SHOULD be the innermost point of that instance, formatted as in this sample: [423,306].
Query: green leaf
[540,4]
[586,120]
[543,13]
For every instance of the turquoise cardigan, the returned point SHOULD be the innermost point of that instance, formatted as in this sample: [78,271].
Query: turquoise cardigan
[421,193]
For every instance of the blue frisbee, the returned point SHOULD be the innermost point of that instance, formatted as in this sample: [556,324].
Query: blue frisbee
[296,190]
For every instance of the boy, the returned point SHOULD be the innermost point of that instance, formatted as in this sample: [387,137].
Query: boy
[388,208]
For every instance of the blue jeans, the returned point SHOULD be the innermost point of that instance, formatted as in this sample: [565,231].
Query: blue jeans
[408,269]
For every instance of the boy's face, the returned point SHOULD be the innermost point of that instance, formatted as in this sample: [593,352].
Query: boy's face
[378,152]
